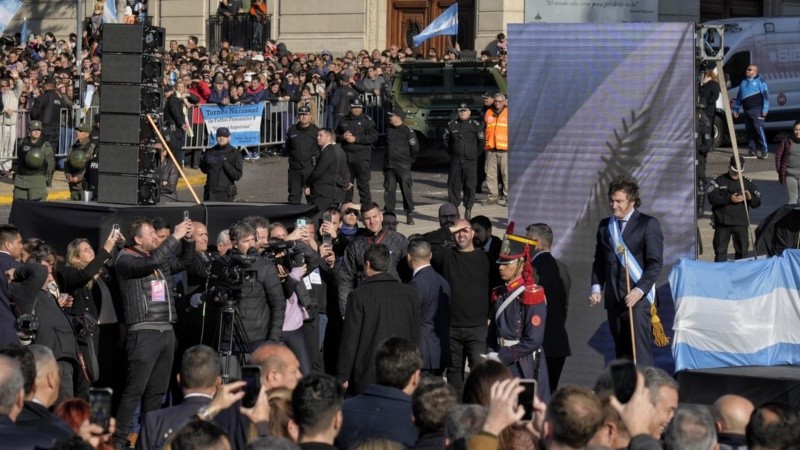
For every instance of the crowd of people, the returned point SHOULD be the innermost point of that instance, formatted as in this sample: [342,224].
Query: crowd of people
[359,338]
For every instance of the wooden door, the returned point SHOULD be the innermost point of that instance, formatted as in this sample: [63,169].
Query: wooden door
[408,18]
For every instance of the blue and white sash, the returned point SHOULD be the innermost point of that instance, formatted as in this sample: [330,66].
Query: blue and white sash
[620,249]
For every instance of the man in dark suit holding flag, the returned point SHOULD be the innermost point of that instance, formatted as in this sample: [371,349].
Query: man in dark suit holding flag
[629,243]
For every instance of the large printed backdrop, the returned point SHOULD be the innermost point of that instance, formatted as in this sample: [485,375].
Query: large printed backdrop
[588,102]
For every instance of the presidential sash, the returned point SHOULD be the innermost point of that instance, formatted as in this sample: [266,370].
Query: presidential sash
[620,249]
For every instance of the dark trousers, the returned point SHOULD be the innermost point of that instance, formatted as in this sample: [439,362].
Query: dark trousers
[466,344]
[555,364]
[217,194]
[390,179]
[359,171]
[463,178]
[722,235]
[620,326]
[150,354]
[73,382]
[754,124]
[481,171]
[296,341]
[297,178]
[176,145]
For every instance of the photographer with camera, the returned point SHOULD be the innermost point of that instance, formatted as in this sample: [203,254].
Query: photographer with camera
[257,292]
[297,264]
[144,275]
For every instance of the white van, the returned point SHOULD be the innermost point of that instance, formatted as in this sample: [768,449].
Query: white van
[773,44]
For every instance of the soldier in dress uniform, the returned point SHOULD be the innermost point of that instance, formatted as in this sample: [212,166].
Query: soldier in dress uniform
[518,314]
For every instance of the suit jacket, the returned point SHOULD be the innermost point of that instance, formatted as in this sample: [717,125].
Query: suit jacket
[434,297]
[331,169]
[643,237]
[380,308]
[380,412]
[36,417]
[14,437]
[548,275]
[160,425]
[7,317]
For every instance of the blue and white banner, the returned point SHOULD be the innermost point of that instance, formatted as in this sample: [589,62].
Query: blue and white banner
[243,121]
[8,9]
[743,313]
[447,23]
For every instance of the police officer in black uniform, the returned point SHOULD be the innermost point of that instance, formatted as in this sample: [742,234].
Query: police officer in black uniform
[222,164]
[301,146]
[357,133]
[33,168]
[728,210]
[47,109]
[79,156]
[401,151]
[464,140]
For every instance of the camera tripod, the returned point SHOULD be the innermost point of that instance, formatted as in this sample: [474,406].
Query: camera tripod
[232,341]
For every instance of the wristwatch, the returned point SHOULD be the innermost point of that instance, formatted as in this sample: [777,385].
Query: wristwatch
[206,414]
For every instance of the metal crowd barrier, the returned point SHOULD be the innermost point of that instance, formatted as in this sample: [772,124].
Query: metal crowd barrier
[280,116]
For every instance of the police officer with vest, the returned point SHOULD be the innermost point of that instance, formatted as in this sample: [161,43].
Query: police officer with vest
[357,133]
[401,151]
[301,146]
[223,166]
[79,156]
[728,210]
[464,140]
[33,168]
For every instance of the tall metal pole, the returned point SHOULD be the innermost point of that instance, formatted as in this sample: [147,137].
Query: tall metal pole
[76,106]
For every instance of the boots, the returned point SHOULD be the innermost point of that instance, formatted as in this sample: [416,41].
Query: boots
[468,213]
[409,218]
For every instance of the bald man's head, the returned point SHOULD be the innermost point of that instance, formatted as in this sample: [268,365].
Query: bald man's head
[732,413]
[279,366]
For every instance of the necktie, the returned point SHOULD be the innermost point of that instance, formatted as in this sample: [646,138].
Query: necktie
[621,225]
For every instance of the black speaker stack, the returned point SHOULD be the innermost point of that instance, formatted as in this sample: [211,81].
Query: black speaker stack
[130,88]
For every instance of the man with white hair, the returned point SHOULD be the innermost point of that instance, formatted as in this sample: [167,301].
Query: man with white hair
[12,397]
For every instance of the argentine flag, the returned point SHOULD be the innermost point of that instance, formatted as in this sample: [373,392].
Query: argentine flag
[110,12]
[447,23]
[737,313]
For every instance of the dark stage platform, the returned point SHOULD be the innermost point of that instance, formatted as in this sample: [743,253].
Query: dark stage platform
[58,223]
[757,383]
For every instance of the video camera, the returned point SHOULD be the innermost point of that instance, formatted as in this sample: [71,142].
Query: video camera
[226,275]
[284,253]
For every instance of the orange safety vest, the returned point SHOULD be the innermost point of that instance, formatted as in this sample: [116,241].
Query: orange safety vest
[497,130]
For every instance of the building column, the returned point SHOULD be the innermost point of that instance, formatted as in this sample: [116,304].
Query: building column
[493,16]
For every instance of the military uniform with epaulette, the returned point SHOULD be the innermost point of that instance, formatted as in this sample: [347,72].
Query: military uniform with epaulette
[464,141]
[517,318]
[33,167]
[729,217]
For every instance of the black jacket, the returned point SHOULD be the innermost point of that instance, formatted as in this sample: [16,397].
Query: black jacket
[464,139]
[223,165]
[363,128]
[47,109]
[262,305]
[434,297]
[551,275]
[35,416]
[301,146]
[7,317]
[725,212]
[329,174]
[173,112]
[136,273]
[352,264]
[55,327]
[402,147]
[379,309]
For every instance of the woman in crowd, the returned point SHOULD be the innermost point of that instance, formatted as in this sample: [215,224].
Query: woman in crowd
[85,279]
